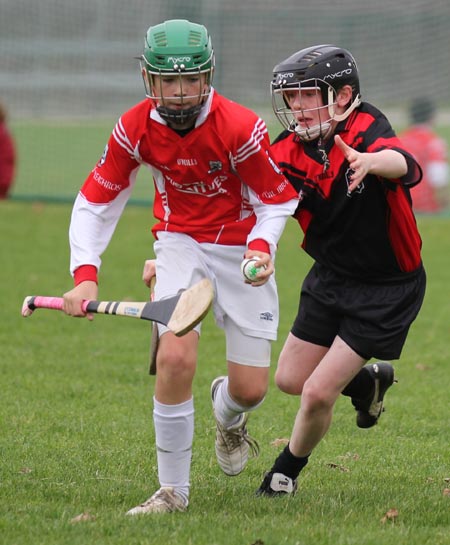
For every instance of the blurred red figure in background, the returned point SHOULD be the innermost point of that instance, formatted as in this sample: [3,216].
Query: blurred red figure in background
[7,156]
[430,151]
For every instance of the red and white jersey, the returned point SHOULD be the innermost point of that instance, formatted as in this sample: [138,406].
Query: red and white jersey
[430,151]
[214,183]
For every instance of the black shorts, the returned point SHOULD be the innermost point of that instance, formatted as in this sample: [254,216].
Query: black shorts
[373,319]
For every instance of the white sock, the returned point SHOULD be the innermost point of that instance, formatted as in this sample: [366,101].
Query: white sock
[226,409]
[174,432]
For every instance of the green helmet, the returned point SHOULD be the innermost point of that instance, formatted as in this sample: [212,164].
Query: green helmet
[176,48]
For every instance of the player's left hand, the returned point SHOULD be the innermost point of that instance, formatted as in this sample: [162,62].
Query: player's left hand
[359,162]
[149,271]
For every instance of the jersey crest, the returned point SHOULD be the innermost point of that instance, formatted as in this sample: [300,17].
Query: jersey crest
[359,189]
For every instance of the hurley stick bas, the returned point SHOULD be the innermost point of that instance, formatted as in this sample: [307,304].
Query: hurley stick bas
[179,313]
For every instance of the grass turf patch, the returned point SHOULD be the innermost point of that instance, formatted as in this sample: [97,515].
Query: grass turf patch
[76,433]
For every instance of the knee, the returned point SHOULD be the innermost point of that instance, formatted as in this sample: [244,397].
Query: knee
[286,384]
[175,362]
[248,395]
[315,398]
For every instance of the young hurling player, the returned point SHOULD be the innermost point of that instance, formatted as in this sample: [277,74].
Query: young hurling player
[218,197]
[367,283]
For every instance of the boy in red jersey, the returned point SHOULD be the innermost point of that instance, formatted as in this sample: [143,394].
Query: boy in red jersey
[218,197]
[430,150]
[367,283]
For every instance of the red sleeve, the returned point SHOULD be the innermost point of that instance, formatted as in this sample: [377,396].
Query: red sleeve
[113,172]
[111,175]
[259,245]
[84,273]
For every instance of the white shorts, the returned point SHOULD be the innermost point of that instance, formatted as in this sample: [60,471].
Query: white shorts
[249,315]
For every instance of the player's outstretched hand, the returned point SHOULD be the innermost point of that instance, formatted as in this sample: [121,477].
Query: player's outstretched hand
[358,162]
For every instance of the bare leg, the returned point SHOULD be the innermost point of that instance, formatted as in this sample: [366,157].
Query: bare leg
[296,363]
[319,374]
[320,391]
[176,362]
[247,384]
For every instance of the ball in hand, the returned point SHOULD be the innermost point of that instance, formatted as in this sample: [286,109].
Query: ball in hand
[249,269]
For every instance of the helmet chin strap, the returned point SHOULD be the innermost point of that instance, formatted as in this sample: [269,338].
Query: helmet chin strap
[331,107]
[322,130]
[179,117]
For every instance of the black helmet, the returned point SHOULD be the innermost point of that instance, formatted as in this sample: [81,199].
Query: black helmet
[325,67]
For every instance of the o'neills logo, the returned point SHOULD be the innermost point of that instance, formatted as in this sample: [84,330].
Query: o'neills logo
[187,162]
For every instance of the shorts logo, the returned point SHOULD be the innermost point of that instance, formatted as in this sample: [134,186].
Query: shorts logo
[268,316]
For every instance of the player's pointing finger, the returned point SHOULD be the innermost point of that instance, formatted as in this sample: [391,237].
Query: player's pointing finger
[342,145]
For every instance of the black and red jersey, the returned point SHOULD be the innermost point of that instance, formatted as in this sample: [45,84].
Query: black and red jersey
[370,234]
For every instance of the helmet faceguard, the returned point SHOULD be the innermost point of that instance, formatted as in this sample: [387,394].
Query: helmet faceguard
[176,49]
[324,69]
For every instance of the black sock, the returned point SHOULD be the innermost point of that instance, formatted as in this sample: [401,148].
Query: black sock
[361,386]
[288,464]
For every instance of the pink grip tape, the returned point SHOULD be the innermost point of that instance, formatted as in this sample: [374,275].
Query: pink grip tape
[55,303]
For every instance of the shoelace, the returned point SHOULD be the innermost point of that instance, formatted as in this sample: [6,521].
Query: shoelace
[161,497]
[233,438]
[253,445]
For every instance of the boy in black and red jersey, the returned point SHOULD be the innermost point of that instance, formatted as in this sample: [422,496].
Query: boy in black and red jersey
[367,284]
[218,196]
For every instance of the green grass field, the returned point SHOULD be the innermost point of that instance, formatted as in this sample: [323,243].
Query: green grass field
[76,435]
